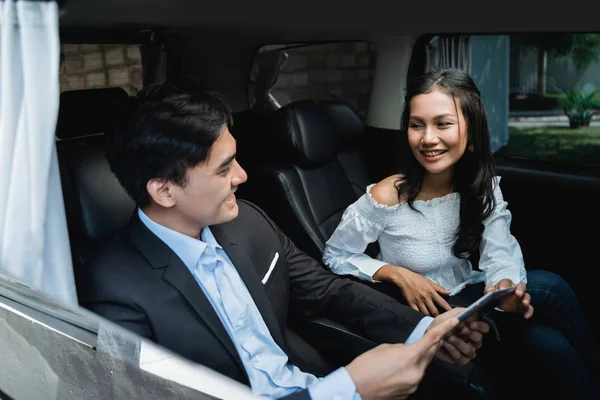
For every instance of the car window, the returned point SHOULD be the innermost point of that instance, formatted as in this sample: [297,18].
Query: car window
[332,71]
[88,66]
[542,94]
[81,355]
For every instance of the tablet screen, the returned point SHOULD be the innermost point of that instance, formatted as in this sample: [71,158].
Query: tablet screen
[486,303]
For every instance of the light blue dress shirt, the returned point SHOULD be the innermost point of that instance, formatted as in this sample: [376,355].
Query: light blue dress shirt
[269,370]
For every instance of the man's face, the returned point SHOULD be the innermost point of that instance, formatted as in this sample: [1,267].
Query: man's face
[208,196]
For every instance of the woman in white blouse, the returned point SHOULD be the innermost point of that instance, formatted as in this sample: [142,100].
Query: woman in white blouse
[445,206]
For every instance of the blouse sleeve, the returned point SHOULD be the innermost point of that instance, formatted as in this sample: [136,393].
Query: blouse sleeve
[501,256]
[361,224]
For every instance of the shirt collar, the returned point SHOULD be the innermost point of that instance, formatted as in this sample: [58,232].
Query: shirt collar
[207,237]
[188,249]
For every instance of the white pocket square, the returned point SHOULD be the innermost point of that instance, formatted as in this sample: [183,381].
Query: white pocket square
[266,278]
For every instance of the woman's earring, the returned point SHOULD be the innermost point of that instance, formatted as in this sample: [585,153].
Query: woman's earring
[471,148]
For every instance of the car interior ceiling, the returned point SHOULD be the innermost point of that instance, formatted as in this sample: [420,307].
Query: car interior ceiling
[273,22]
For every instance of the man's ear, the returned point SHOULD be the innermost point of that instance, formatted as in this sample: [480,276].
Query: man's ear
[161,191]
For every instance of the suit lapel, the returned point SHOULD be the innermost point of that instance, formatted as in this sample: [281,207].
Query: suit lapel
[243,263]
[176,273]
[179,276]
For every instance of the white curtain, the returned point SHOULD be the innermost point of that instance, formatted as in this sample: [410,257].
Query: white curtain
[452,51]
[34,247]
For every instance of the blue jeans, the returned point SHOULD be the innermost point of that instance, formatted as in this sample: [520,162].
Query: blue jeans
[553,354]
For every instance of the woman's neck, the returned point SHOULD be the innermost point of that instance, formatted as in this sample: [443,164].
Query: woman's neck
[436,185]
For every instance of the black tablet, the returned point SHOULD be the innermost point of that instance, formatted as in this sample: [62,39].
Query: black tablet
[486,303]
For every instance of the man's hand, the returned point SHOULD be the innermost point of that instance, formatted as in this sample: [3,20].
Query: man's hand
[460,347]
[420,293]
[519,302]
[394,371]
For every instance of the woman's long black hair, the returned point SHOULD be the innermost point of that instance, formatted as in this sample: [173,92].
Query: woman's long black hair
[473,173]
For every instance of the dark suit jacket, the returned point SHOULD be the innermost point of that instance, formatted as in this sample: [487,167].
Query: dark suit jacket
[138,282]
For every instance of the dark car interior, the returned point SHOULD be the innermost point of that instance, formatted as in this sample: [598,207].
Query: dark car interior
[309,159]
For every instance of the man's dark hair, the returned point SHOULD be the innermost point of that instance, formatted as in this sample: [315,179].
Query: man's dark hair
[166,131]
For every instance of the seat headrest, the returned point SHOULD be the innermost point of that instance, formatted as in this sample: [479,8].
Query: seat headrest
[347,121]
[104,205]
[89,111]
[304,133]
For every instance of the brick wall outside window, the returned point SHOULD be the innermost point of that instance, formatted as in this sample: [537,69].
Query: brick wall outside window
[333,71]
[87,66]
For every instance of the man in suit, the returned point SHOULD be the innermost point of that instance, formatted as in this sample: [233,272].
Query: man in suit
[213,278]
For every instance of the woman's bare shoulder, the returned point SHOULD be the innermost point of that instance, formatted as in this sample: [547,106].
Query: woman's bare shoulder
[385,192]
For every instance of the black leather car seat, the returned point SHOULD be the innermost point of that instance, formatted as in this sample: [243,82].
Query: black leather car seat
[96,205]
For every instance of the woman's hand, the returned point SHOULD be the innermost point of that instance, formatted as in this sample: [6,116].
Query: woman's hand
[519,302]
[420,293]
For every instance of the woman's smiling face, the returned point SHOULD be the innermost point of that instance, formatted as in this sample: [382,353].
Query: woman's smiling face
[437,131]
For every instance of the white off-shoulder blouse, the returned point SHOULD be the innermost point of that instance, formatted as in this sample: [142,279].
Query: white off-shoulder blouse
[422,242]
